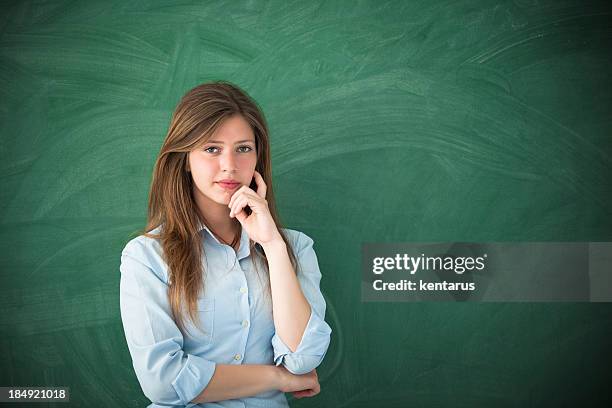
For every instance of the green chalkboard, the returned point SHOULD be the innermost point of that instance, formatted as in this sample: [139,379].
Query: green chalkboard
[390,121]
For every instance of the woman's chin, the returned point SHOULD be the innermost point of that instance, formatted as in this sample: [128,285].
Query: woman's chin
[223,199]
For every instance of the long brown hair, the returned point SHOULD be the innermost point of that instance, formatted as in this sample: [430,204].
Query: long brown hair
[172,206]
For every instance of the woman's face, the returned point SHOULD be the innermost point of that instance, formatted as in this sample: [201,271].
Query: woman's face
[224,163]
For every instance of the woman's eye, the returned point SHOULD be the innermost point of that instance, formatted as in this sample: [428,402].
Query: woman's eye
[208,149]
[247,149]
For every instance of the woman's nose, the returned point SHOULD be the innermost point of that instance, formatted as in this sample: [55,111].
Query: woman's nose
[228,161]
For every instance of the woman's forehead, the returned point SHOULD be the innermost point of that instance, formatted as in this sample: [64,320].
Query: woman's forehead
[233,130]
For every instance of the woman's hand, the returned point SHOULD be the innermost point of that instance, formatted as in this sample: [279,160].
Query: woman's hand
[306,385]
[259,225]
[310,392]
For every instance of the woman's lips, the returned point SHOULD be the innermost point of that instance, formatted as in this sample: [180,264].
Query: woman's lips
[228,186]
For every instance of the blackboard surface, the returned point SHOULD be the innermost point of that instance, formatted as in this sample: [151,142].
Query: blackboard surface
[390,121]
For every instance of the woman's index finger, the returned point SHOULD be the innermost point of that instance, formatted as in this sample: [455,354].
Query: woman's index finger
[261,184]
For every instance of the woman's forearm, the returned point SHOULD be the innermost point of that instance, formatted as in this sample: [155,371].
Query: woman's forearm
[290,308]
[237,381]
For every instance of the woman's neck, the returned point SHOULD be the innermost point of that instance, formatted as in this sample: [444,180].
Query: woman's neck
[217,218]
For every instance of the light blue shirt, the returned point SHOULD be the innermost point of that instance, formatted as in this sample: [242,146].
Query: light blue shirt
[235,314]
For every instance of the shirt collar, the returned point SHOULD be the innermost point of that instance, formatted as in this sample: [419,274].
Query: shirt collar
[243,250]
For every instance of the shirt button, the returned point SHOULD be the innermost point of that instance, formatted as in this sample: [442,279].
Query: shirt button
[245,323]
[243,289]
[237,356]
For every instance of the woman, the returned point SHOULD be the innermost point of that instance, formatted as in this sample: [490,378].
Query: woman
[219,303]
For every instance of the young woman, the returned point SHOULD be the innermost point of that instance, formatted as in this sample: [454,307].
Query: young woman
[220,305]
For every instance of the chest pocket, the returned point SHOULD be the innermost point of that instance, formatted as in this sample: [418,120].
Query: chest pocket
[206,314]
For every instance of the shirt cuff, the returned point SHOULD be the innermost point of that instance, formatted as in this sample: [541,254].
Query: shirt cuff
[193,378]
[311,350]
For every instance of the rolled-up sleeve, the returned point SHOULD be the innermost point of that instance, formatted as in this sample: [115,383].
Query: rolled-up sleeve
[316,338]
[167,375]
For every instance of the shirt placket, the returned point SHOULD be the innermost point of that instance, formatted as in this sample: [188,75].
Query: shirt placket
[245,311]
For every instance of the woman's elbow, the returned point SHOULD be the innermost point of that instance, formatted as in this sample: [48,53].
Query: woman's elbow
[159,392]
[301,364]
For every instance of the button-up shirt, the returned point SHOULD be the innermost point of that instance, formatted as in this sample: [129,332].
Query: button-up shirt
[235,318]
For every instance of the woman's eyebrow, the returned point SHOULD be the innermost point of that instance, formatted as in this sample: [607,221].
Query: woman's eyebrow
[240,141]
